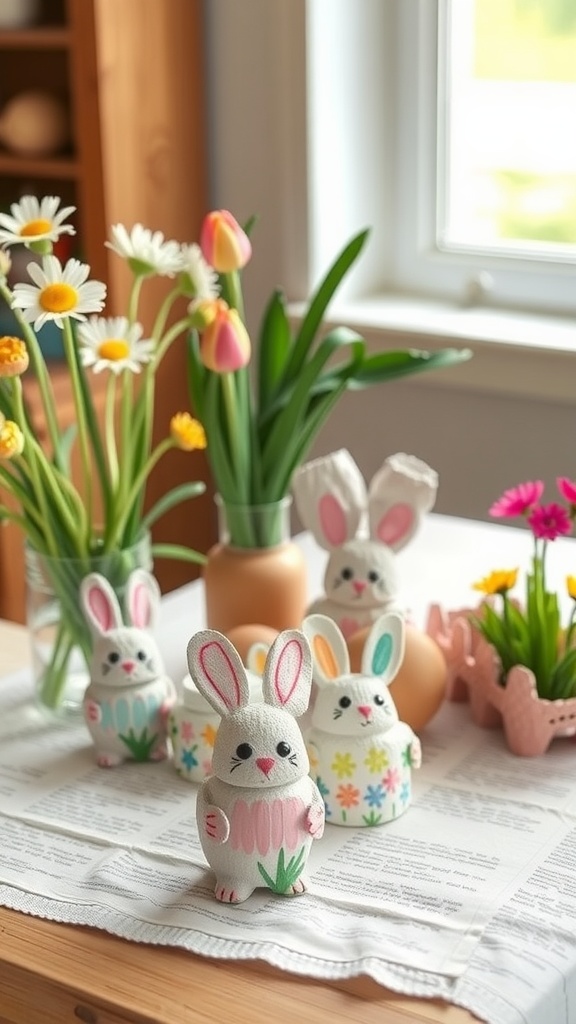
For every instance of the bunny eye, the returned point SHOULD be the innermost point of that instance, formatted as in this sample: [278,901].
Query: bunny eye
[373,576]
[379,700]
[283,749]
[244,751]
[344,702]
[347,573]
[141,656]
[114,657]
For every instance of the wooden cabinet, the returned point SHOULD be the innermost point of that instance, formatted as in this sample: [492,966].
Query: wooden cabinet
[131,75]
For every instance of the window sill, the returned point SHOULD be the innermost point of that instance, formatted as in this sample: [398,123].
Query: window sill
[528,355]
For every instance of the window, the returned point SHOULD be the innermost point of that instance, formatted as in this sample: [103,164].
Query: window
[487,156]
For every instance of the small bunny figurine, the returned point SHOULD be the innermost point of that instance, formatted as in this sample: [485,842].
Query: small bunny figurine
[129,696]
[361,582]
[260,811]
[361,754]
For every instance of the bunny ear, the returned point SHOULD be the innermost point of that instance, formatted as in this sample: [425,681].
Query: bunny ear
[256,657]
[384,648]
[216,668]
[142,598]
[330,657]
[100,604]
[288,673]
[400,493]
[330,496]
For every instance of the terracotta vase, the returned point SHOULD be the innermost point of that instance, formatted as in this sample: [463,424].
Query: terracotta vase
[255,573]
[530,722]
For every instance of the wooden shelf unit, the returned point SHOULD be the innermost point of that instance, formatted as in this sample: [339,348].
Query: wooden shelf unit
[131,73]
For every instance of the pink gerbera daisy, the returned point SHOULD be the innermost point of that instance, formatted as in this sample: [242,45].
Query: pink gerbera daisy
[518,500]
[567,488]
[549,521]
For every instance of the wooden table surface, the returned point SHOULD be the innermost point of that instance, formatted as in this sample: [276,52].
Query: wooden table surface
[63,974]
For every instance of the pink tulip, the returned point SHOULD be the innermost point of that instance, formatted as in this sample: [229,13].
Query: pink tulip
[225,246]
[225,344]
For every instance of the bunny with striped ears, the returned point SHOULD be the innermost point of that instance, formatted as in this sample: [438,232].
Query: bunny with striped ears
[259,812]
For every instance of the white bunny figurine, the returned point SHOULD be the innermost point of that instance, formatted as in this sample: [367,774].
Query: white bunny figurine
[129,696]
[361,754]
[260,811]
[362,529]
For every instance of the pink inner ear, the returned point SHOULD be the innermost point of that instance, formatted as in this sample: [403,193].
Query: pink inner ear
[395,524]
[332,520]
[220,673]
[288,668]
[140,607]
[100,608]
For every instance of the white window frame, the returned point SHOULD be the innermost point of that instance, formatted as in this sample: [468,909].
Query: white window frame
[308,153]
[530,281]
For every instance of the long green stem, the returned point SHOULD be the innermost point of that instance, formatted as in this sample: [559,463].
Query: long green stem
[136,488]
[110,430]
[70,351]
[234,431]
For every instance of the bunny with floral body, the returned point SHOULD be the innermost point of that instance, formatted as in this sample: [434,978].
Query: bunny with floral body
[129,695]
[362,529]
[361,754]
[260,811]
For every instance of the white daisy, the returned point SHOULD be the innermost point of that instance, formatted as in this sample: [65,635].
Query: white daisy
[145,251]
[112,343]
[58,292]
[199,279]
[34,220]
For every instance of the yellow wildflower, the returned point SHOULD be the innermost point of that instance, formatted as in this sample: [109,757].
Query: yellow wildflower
[571,586]
[498,582]
[13,357]
[187,432]
[11,439]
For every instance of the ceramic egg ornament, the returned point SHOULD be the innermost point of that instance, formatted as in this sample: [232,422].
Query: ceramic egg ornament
[260,811]
[129,697]
[362,528]
[362,756]
[419,687]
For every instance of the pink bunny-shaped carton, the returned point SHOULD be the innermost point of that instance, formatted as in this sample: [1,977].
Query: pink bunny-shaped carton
[129,695]
[361,754]
[362,529]
[260,811]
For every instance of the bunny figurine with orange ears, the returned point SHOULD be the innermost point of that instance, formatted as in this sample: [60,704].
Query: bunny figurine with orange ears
[259,812]
[362,529]
[361,754]
[129,696]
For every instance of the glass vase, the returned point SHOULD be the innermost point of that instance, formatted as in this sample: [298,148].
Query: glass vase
[60,638]
[256,573]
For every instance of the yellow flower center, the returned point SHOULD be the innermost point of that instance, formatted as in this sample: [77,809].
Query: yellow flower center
[35,227]
[58,298]
[13,356]
[114,349]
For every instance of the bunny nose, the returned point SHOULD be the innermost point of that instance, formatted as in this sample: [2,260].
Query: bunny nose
[265,764]
[359,586]
[365,710]
[128,666]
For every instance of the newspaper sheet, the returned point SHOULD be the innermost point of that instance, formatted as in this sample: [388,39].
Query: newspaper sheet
[470,895]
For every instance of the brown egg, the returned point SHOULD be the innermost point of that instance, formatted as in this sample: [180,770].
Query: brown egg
[420,685]
[243,637]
